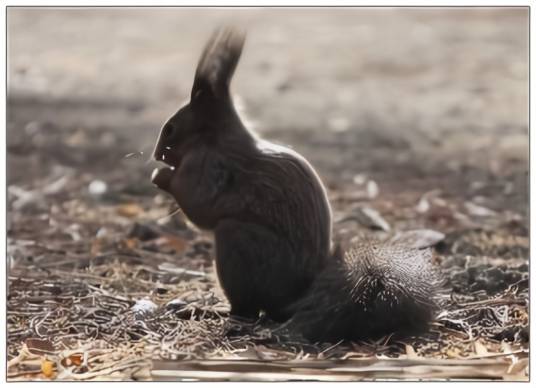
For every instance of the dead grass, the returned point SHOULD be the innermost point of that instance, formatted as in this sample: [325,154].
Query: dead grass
[133,309]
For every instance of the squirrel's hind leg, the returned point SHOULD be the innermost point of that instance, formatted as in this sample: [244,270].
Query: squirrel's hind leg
[257,269]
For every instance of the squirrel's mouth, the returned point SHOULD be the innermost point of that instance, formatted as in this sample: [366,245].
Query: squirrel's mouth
[161,177]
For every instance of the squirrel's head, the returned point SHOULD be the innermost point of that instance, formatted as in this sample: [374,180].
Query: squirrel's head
[210,109]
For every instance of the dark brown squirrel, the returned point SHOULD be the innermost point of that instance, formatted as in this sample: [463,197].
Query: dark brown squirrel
[271,220]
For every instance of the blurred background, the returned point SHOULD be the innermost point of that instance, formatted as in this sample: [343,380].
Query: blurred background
[413,117]
[450,83]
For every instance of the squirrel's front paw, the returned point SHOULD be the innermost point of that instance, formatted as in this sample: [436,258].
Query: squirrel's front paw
[161,177]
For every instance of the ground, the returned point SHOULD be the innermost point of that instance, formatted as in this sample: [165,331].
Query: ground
[418,114]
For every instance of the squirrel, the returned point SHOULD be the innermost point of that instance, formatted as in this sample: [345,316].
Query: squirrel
[272,223]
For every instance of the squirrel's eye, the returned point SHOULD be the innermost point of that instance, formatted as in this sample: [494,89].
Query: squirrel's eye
[167,131]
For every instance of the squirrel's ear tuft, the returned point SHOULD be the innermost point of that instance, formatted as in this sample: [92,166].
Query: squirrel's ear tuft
[217,63]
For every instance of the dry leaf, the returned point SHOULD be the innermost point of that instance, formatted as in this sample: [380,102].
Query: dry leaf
[96,246]
[47,367]
[131,243]
[40,346]
[76,359]
[480,349]
[452,353]
[419,238]
[410,352]
[371,218]
[129,210]
[177,243]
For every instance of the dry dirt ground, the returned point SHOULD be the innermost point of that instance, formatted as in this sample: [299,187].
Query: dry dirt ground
[419,114]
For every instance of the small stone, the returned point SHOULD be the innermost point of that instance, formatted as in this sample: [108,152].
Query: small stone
[479,211]
[423,206]
[144,306]
[360,179]
[372,189]
[103,232]
[97,188]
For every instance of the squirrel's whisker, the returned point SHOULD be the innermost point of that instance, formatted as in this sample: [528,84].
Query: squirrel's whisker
[174,212]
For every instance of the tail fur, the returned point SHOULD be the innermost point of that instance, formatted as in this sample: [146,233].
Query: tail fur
[374,289]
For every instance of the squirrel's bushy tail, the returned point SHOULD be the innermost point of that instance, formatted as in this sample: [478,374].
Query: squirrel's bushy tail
[374,289]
